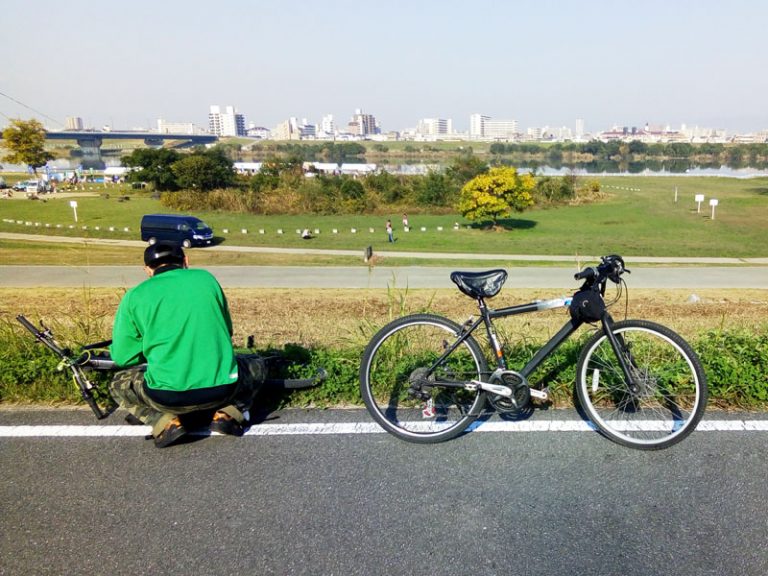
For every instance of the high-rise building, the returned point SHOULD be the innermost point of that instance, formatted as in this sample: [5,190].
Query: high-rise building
[74,123]
[226,123]
[434,127]
[288,130]
[477,125]
[363,124]
[579,128]
[500,129]
[327,126]
[484,128]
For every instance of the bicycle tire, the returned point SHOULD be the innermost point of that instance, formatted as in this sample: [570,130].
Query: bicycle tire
[673,387]
[398,355]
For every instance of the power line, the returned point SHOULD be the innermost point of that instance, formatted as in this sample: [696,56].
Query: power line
[30,108]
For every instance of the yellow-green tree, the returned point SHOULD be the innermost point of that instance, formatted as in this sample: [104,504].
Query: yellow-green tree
[25,141]
[496,194]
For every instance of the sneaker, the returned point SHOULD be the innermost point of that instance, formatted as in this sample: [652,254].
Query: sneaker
[170,434]
[223,423]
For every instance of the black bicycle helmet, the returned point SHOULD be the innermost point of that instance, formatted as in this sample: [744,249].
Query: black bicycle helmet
[163,253]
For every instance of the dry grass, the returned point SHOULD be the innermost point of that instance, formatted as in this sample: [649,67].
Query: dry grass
[336,318]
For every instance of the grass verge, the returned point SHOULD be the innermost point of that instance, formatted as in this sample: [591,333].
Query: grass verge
[729,330]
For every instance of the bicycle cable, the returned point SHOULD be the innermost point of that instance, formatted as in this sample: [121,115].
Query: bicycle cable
[621,290]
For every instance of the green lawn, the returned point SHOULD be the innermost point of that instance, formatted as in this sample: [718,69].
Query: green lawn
[639,217]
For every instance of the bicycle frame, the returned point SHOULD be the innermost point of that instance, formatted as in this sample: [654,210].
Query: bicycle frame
[488,315]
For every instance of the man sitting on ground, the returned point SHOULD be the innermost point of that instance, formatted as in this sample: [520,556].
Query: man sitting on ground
[174,334]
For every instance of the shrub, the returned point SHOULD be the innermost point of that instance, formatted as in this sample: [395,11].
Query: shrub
[736,364]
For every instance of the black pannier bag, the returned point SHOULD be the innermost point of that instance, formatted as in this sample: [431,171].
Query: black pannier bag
[587,305]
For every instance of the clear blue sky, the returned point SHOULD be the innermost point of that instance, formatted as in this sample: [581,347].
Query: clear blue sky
[541,62]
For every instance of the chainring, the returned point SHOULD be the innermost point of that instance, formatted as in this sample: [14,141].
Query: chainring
[521,394]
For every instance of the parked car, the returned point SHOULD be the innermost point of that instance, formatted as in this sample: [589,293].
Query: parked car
[29,186]
[185,230]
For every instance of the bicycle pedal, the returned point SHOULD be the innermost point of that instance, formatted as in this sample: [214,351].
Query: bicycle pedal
[540,395]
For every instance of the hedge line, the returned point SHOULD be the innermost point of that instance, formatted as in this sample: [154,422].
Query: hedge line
[735,361]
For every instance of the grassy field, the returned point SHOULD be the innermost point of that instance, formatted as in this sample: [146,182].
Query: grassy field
[639,217]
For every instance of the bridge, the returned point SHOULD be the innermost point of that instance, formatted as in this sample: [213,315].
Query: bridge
[90,141]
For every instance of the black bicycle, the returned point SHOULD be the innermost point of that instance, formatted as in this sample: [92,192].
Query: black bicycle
[425,378]
[96,357]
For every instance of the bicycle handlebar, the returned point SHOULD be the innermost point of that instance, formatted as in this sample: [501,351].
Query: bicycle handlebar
[88,391]
[611,268]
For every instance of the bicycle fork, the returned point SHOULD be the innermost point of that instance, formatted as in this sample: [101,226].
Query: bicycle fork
[621,351]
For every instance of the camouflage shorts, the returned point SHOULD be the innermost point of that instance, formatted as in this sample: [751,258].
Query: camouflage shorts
[127,388]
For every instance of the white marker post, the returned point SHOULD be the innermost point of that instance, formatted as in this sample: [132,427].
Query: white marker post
[73,203]
[713,203]
[699,198]
[675,194]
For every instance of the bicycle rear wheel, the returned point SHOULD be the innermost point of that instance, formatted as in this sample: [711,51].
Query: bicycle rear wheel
[672,390]
[407,398]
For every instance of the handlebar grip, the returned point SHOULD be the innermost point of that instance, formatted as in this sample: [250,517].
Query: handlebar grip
[27,324]
[43,337]
[586,274]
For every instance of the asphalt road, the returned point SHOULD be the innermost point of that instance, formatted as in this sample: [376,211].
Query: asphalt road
[530,503]
[688,273]
[687,277]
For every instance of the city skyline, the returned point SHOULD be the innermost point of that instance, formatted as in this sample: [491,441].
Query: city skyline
[227,121]
[540,63]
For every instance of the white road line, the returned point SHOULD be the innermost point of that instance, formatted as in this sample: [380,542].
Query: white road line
[317,428]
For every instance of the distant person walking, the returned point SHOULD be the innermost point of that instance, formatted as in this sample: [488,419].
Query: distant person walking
[390,233]
[405,222]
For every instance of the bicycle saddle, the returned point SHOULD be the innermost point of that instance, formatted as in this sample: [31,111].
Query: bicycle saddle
[480,284]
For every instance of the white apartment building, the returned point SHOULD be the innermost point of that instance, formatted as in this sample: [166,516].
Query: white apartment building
[477,126]
[327,127]
[579,134]
[74,123]
[362,124]
[165,127]
[500,130]
[434,127]
[288,130]
[485,128]
[227,122]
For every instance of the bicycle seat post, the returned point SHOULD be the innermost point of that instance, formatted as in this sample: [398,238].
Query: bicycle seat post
[490,330]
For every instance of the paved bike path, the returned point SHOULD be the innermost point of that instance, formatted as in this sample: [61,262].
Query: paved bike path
[362,277]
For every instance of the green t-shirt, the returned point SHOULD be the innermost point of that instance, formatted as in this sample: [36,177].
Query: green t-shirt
[177,322]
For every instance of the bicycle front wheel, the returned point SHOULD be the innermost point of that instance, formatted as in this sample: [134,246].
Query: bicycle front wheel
[413,394]
[670,389]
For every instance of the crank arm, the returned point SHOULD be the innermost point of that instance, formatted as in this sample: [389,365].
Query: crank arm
[488,387]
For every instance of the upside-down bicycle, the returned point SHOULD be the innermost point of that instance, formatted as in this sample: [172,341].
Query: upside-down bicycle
[96,357]
[425,378]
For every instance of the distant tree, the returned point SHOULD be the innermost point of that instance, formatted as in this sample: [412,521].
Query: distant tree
[25,140]
[637,147]
[465,167]
[680,150]
[434,189]
[387,186]
[204,170]
[498,148]
[153,165]
[496,194]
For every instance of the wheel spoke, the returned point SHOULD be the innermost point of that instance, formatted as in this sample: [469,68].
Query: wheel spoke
[406,382]
[668,394]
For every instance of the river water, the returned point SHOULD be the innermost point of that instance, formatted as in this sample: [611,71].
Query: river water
[580,169]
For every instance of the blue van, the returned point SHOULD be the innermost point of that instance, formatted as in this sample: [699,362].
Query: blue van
[183,230]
